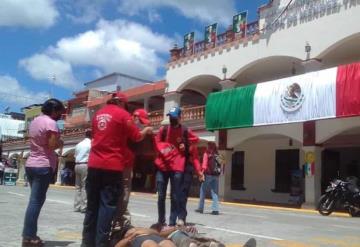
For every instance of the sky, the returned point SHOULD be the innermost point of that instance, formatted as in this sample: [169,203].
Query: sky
[52,47]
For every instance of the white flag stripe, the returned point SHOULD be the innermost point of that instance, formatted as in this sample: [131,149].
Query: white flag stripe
[319,98]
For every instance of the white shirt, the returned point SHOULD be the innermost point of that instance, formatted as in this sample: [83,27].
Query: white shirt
[82,151]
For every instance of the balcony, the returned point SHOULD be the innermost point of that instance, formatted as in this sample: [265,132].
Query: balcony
[223,40]
[189,114]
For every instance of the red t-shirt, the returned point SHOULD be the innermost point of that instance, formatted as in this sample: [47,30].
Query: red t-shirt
[112,127]
[175,137]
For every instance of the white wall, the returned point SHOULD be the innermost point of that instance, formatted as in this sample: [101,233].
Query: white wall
[325,129]
[321,33]
[259,170]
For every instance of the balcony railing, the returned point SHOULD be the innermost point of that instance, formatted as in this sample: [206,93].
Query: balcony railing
[156,117]
[252,32]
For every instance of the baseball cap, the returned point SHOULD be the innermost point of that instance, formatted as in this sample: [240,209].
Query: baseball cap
[143,116]
[120,96]
[174,112]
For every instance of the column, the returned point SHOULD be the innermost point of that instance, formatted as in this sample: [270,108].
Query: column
[225,178]
[312,181]
[172,99]
[227,84]
[21,171]
[146,104]
[61,165]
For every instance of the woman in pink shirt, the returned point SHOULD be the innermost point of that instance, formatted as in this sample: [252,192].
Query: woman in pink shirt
[41,165]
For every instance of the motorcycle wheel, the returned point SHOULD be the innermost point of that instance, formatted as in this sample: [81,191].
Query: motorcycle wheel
[353,212]
[326,205]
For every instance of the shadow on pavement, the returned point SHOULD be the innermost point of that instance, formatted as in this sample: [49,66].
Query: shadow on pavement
[58,243]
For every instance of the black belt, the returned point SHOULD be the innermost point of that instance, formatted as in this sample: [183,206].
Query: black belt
[81,163]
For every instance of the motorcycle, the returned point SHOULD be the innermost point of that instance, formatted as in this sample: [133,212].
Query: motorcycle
[341,194]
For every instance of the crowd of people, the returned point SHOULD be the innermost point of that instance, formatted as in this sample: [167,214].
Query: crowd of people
[103,171]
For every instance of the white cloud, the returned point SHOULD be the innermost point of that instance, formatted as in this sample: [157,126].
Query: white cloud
[12,92]
[206,11]
[26,13]
[113,46]
[83,11]
[44,67]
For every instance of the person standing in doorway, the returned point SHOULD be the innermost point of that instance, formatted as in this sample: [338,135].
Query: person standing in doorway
[112,128]
[173,143]
[41,164]
[212,167]
[82,151]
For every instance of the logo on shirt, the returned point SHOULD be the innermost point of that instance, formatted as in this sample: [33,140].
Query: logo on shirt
[292,98]
[102,120]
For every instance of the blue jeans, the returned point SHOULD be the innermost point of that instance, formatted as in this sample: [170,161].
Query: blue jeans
[162,180]
[213,182]
[39,179]
[104,188]
[185,190]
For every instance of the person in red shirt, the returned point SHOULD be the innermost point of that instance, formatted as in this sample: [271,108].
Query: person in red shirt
[172,162]
[112,128]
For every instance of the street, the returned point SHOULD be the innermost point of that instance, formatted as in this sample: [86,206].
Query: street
[60,226]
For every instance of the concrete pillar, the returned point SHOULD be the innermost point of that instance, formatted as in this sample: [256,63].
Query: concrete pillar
[61,165]
[312,180]
[21,171]
[225,177]
[227,84]
[172,99]
[146,104]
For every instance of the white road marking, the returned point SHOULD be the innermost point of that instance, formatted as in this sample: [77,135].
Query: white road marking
[17,194]
[242,233]
[139,215]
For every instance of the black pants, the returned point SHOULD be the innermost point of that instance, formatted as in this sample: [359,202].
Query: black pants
[185,190]
[104,188]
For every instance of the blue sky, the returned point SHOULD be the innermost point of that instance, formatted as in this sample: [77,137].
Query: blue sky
[57,45]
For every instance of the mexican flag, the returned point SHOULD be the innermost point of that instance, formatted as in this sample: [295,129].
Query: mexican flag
[329,93]
[239,23]
[210,34]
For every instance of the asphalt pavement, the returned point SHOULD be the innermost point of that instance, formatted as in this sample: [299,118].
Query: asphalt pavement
[236,225]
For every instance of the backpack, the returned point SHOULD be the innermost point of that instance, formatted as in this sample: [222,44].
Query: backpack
[214,165]
[184,133]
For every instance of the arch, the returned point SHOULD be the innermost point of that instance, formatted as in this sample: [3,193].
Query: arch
[238,136]
[268,68]
[346,50]
[192,98]
[329,128]
[201,83]
[14,156]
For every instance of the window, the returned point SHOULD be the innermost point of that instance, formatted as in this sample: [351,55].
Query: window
[237,171]
[286,161]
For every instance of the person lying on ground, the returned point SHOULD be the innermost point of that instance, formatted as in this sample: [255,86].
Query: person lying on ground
[165,237]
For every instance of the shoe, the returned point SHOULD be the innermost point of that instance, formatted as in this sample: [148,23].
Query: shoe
[32,242]
[215,212]
[201,211]
[180,222]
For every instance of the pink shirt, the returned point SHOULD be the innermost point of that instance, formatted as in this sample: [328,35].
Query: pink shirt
[40,154]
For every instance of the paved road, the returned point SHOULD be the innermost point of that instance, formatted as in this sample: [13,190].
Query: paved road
[60,226]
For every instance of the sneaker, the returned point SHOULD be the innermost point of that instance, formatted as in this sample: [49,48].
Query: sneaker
[201,211]
[215,212]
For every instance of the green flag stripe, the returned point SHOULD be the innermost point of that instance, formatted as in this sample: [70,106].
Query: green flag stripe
[230,108]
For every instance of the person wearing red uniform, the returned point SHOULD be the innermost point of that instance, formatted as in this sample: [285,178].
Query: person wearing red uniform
[171,163]
[112,128]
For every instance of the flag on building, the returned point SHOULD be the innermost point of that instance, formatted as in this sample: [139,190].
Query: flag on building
[329,93]
[210,34]
[189,41]
[239,23]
